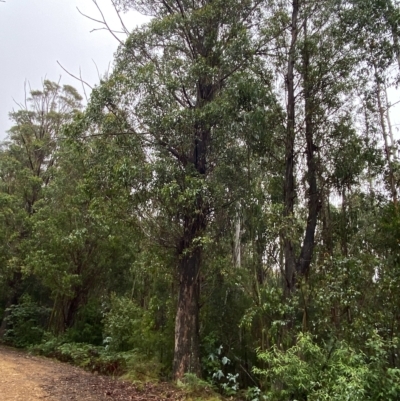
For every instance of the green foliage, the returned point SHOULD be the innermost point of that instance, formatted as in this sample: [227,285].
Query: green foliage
[78,242]
[87,356]
[178,163]
[26,323]
[142,368]
[88,327]
[215,363]
[192,384]
[196,389]
[129,364]
[255,394]
[123,324]
[334,371]
[147,331]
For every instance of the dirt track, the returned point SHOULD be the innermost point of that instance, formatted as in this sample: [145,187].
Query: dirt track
[27,378]
[17,381]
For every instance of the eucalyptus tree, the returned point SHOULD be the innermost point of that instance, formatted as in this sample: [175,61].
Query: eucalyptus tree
[79,247]
[374,26]
[34,136]
[26,161]
[314,67]
[184,85]
[373,29]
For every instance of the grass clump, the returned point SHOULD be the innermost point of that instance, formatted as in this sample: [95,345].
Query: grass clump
[197,389]
[140,369]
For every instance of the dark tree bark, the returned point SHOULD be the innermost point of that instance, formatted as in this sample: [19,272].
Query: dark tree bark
[186,355]
[71,310]
[289,188]
[299,266]
[307,249]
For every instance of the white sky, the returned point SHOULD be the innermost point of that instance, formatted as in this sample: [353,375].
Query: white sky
[34,34]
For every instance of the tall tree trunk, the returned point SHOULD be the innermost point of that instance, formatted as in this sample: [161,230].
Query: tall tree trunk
[236,240]
[307,249]
[326,223]
[187,340]
[300,266]
[71,310]
[390,127]
[289,189]
[397,47]
[343,227]
[388,152]
[186,355]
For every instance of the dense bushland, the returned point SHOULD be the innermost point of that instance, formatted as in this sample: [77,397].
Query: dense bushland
[224,210]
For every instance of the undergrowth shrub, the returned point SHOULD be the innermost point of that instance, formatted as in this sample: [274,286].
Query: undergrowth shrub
[216,365]
[87,356]
[197,389]
[26,323]
[88,327]
[129,364]
[336,372]
[122,324]
[149,331]
[142,369]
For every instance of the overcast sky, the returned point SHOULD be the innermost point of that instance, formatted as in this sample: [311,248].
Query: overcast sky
[35,34]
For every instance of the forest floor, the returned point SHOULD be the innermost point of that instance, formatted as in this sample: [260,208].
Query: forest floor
[28,378]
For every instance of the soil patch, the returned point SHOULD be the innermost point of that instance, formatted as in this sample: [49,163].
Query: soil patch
[29,378]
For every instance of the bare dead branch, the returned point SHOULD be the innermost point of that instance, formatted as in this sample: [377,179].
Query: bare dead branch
[83,86]
[103,22]
[104,29]
[74,76]
[120,18]
[88,17]
[106,24]
[98,73]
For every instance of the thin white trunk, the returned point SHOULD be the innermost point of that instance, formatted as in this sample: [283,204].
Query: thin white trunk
[236,243]
[382,117]
[389,123]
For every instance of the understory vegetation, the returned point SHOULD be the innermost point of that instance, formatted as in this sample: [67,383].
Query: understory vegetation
[223,212]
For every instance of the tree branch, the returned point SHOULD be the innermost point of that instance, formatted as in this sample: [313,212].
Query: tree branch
[74,76]
[102,22]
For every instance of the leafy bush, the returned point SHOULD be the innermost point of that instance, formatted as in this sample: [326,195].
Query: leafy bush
[88,327]
[308,371]
[216,366]
[130,364]
[87,356]
[254,394]
[149,332]
[196,389]
[122,324]
[142,369]
[192,383]
[26,323]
